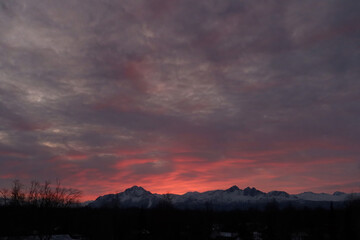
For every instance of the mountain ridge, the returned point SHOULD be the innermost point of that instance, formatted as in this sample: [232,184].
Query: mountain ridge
[228,199]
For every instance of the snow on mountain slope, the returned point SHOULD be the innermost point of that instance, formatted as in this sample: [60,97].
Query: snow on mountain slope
[131,197]
[230,198]
[310,196]
[231,195]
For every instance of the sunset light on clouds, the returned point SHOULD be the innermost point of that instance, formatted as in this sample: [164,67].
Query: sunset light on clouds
[178,96]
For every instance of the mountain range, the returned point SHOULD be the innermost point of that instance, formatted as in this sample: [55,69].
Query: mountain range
[229,199]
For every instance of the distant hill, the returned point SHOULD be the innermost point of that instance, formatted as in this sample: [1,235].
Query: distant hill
[229,199]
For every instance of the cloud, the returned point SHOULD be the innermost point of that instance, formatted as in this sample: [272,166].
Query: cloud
[86,87]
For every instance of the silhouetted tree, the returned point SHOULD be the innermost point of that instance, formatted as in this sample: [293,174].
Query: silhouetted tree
[34,193]
[17,196]
[58,196]
[39,195]
[4,196]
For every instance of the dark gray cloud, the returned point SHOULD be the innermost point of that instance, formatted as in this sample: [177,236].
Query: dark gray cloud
[135,92]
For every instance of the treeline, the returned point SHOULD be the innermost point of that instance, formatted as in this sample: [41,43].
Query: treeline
[161,223]
[45,209]
[44,195]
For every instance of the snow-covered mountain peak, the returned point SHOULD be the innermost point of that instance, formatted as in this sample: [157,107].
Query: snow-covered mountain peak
[337,193]
[252,192]
[137,191]
[278,194]
[191,193]
[231,198]
[233,189]
[310,196]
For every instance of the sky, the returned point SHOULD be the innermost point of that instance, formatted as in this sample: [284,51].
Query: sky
[178,96]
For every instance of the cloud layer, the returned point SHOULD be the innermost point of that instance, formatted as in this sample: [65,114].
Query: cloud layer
[181,95]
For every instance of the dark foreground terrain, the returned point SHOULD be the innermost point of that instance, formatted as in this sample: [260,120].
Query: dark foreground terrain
[165,222]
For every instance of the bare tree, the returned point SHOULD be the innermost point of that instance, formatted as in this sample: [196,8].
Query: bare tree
[39,195]
[17,195]
[4,196]
[72,197]
[58,196]
[46,195]
[34,193]
[63,197]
